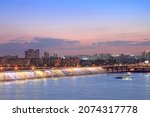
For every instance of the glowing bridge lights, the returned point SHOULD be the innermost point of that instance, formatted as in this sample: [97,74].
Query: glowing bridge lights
[48,73]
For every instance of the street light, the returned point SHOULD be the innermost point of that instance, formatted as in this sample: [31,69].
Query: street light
[33,68]
[16,68]
[146,62]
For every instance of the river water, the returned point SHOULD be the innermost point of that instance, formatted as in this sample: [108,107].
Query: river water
[90,87]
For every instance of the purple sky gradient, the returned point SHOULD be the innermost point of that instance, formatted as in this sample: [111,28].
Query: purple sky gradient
[86,21]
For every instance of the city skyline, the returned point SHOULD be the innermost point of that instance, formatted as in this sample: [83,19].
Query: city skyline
[74,27]
[35,58]
[36,53]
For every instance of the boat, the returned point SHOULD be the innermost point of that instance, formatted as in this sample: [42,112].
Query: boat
[124,77]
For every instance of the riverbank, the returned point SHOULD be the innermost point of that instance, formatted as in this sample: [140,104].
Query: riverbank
[49,73]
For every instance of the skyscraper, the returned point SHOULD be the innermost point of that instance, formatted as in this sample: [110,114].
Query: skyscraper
[146,54]
[46,55]
[31,53]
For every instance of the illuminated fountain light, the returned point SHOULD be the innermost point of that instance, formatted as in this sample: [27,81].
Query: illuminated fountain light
[1,76]
[87,71]
[65,71]
[39,74]
[101,70]
[71,71]
[48,73]
[9,76]
[95,70]
[78,71]
[20,75]
[91,70]
[57,73]
[29,74]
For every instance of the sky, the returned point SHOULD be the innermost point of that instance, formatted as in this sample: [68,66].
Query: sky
[74,26]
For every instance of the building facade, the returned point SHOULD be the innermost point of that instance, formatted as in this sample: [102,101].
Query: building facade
[31,53]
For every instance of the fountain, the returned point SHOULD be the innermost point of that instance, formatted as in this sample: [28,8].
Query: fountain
[48,73]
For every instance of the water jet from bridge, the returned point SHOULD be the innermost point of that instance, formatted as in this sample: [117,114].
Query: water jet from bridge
[49,73]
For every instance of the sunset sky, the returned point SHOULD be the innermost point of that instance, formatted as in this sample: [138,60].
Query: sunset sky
[74,26]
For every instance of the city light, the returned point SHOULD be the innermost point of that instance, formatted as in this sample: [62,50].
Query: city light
[147,62]
[33,68]
[16,68]
[35,74]
[33,61]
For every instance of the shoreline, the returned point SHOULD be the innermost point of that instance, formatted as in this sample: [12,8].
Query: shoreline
[49,73]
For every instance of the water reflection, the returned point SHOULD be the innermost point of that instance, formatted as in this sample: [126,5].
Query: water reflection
[102,86]
[147,75]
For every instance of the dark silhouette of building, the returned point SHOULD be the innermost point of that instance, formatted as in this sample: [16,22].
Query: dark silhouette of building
[31,53]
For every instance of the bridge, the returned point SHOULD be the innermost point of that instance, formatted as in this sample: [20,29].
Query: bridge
[107,68]
[126,68]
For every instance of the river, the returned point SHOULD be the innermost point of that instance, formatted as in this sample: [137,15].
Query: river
[88,87]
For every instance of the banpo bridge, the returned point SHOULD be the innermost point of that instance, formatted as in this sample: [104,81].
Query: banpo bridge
[48,73]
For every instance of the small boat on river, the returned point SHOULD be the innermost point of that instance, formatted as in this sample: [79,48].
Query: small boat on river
[124,77]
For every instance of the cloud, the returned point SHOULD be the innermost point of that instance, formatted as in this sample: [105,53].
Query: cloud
[72,42]
[126,34]
[123,43]
[17,46]
[39,42]
[103,28]
[64,46]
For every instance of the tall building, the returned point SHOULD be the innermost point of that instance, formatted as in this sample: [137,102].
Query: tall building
[55,55]
[146,54]
[46,55]
[31,53]
[37,53]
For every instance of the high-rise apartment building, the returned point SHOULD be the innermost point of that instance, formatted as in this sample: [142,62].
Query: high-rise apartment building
[31,53]
[146,54]
[46,55]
